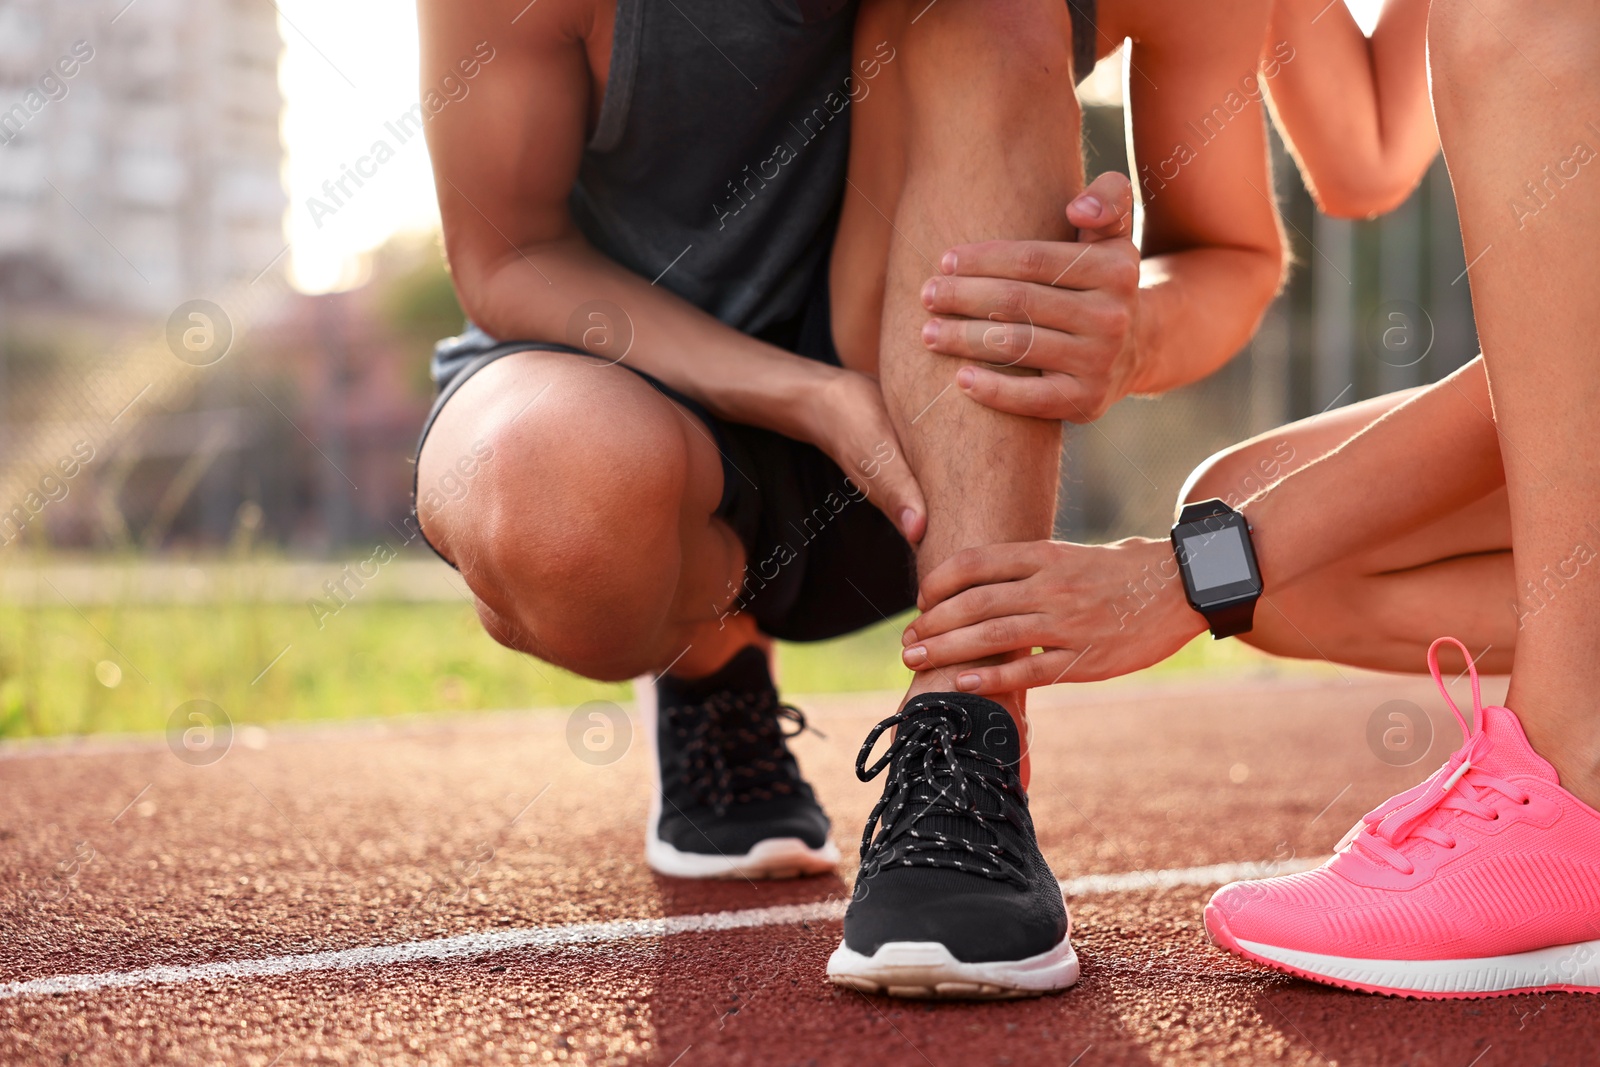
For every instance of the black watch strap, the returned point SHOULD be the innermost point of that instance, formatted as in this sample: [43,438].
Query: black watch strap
[1202,509]
[1231,620]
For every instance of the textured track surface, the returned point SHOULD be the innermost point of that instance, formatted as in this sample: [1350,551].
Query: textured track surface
[121,856]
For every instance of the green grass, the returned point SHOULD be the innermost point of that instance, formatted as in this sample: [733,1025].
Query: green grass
[126,668]
[371,660]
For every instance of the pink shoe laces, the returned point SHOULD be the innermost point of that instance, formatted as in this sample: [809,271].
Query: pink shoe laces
[1461,785]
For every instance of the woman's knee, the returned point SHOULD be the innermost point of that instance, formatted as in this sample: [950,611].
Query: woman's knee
[1239,472]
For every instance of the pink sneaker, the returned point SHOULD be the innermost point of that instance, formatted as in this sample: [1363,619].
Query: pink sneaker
[1483,880]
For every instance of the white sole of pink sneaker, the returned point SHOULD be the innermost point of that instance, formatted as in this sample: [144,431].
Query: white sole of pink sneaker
[925,970]
[1561,968]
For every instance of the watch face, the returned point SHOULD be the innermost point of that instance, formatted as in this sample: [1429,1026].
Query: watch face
[1218,564]
[1216,558]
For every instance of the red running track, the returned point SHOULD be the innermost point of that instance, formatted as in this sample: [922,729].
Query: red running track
[117,857]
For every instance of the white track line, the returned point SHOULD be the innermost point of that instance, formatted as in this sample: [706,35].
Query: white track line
[466,945]
[1216,874]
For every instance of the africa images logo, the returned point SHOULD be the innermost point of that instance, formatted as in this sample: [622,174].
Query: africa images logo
[50,87]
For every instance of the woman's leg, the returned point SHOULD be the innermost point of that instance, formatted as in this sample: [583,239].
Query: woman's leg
[1517,94]
[1487,880]
[1382,608]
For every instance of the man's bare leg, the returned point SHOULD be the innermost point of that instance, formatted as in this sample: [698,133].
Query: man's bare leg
[1517,93]
[971,134]
[589,536]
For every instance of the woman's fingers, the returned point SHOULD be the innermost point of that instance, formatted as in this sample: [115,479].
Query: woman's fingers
[1105,209]
[1028,672]
[1005,300]
[1006,344]
[981,566]
[1049,396]
[977,604]
[991,637]
[1063,264]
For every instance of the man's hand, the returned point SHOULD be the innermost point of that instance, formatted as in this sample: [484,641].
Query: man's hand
[1069,309]
[1097,611]
[847,419]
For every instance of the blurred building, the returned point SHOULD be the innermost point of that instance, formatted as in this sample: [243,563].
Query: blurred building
[140,168]
[139,151]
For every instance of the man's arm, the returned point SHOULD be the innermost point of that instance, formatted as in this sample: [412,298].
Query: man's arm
[1093,321]
[505,159]
[1355,111]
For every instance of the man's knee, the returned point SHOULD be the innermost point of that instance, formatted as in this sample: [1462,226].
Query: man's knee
[568,534]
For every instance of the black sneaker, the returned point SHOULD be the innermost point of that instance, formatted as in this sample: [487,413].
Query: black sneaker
[953,898]
[729,799]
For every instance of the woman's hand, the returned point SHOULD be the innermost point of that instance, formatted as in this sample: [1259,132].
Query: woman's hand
[847,419]
[1067,309]
[1096,611]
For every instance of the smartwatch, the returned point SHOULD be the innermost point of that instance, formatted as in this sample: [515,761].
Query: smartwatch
[1218,564]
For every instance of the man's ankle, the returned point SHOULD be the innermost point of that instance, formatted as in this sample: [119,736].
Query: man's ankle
[708,649]
[943,681]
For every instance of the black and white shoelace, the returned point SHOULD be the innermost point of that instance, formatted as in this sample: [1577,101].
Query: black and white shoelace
[733,748]
[934,774]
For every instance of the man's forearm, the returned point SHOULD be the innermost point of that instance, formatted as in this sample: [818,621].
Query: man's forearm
[565,292]
[1197,309]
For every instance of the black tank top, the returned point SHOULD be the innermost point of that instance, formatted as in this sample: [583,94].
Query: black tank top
[718,161]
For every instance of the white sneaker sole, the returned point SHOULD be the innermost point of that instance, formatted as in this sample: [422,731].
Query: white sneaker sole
[776,857]
[926,970]
[1565,968]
